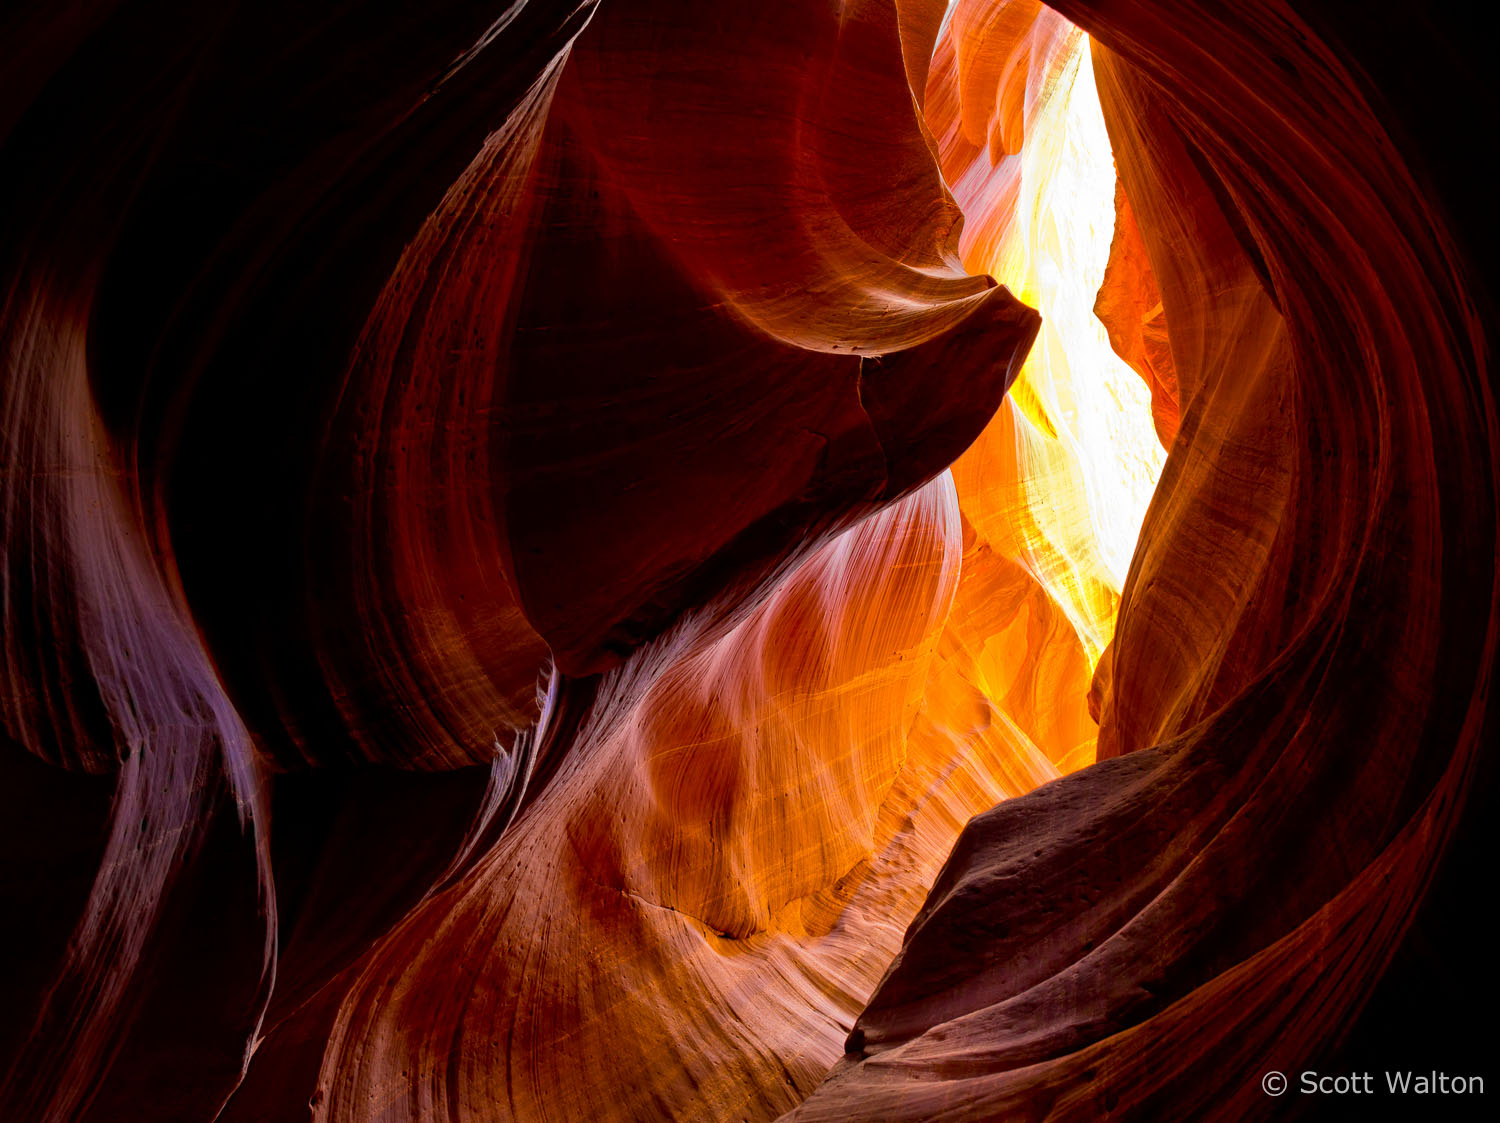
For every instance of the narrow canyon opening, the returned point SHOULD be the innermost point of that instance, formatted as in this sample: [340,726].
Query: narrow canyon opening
[1059,482]
[542,578]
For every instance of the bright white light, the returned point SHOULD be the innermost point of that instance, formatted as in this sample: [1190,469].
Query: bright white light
[1087,454]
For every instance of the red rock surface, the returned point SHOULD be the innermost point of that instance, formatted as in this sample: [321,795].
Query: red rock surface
[1146,937]
[490,629]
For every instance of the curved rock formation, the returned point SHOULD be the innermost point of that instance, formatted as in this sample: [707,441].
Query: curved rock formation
[592,560]
[1145,938]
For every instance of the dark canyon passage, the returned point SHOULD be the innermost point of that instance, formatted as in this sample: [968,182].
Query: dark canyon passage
[650,559]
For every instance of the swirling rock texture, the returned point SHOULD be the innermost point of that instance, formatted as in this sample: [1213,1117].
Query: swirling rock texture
[638,559]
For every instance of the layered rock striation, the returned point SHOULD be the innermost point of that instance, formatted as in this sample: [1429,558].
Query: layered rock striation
[647,560]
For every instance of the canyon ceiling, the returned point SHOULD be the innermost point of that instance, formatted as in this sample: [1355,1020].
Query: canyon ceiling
[665,559]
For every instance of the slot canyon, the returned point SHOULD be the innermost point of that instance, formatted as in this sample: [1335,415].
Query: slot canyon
[822,560]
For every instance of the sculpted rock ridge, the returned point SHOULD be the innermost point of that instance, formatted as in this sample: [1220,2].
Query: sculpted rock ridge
[647,559]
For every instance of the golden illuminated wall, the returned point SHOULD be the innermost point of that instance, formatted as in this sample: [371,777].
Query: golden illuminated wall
[1059,482]
[597,561]
[753,818]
